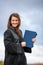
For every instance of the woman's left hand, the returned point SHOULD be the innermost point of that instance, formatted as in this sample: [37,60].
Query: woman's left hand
[33,39]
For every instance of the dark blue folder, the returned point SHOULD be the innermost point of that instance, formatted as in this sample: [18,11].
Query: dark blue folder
[28,35]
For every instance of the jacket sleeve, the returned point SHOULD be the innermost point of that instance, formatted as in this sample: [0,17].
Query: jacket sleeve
[10,46]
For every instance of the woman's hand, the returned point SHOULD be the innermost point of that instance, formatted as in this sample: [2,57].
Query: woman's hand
[33,39]
[23,44]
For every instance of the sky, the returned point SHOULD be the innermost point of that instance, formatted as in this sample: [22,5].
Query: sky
[31,14]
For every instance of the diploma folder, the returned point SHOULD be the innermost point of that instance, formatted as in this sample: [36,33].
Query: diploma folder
[28,35]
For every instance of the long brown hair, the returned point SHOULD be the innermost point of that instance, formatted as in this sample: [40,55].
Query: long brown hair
[9,22]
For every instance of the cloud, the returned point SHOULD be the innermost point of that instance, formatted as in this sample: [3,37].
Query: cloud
[36,56]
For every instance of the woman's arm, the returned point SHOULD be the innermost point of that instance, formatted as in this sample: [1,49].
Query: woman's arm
[9,45]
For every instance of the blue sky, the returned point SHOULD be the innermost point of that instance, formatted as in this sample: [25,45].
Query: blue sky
[31,13]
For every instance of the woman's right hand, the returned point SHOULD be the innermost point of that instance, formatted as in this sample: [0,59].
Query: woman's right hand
[23,44]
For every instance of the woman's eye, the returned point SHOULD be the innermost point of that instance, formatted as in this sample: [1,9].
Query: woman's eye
[14,20]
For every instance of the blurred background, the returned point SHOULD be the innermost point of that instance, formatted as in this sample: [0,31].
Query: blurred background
[31,14]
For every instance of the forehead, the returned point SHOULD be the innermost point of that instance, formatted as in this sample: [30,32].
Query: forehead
[13,17]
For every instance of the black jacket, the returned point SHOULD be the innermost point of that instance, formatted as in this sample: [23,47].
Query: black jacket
[12,49]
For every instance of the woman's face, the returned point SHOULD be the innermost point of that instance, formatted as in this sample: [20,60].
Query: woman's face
[14,21]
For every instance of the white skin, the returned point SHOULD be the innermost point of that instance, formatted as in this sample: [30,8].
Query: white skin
[14,22]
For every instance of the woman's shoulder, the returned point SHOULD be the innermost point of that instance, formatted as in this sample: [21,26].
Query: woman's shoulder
[7,31]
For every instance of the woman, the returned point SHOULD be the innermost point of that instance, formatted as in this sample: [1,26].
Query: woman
[14,52]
